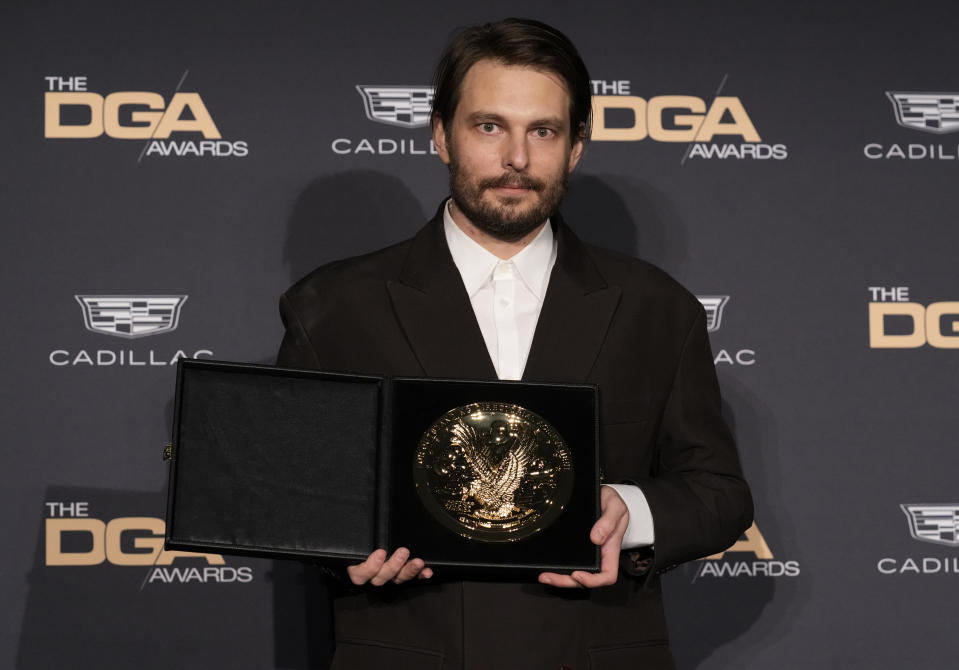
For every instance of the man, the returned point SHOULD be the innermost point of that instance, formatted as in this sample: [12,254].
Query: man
[496,285]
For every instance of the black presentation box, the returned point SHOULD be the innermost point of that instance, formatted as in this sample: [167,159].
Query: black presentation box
[287,463]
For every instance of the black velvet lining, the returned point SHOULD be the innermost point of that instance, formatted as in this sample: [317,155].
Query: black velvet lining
[274,461]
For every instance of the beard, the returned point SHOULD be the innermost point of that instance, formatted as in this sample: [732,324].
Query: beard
[503,219]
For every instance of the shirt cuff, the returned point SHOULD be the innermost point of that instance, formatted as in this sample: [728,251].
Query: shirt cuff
[639,531]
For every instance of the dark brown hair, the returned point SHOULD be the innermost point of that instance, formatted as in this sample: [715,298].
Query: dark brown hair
[513,42]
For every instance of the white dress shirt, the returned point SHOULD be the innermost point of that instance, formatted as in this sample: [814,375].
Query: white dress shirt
[507,296]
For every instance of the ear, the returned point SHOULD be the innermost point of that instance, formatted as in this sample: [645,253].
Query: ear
[439,140]
[578,145]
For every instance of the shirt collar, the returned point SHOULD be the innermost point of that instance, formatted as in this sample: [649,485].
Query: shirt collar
[475,264]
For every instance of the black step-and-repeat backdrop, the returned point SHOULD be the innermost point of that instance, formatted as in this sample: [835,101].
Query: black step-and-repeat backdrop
[168,170]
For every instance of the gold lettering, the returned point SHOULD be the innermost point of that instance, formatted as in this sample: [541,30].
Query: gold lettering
[117,527]
[201,122]
[877,325]
[54,549]
[107,545]
[167,557]
[754,543]
[934,334]
[740,125]
[156,555]
[54,100]
[603,102]
[687,124]
[111,114]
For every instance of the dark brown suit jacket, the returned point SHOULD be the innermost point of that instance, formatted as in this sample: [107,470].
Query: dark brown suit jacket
[607,319]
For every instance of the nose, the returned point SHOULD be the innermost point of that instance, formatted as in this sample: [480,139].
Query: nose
[516,152]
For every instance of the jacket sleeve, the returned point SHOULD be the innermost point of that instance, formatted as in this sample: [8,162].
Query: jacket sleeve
[699,499]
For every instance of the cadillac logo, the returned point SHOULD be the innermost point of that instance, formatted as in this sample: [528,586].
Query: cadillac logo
[406,106]
[931,112]
[131,316]
[936,523]
[713,304]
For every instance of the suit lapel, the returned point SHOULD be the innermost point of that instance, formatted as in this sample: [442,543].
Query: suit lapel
[434,310]
[435,313]
[576,314]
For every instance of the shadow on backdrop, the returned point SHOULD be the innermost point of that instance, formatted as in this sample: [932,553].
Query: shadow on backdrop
[348,214]
[302,625]
[627,215]
[99,598]
[706,612]
[336,216]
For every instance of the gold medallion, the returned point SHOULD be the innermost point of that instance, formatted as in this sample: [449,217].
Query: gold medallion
[493,472]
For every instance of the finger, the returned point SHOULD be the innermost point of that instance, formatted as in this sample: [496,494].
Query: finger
[391,568]
[425,573]
[363,572]
[409,571]
[608,571]
[601,529]
[614,512]
[607,532]
[609,524]
[559,581]
[608,564]
[592,580]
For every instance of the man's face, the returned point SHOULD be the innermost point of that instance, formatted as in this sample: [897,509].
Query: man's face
[508,148]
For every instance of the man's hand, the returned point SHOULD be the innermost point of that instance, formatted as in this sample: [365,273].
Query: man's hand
[376,570]
[607,532]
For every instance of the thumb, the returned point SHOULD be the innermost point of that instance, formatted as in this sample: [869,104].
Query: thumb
[601,529]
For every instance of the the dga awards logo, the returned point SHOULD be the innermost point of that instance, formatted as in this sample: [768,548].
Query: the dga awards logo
[748,557]
[711,128]
[934,523]
[896,322]
[178,127]
[405,107]
[714,306]
[935,113]
[128,317]
[74,538]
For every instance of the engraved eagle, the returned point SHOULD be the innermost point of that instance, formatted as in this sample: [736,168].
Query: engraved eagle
[498,465]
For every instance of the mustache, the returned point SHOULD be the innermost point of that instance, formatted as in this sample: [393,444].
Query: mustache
[513,181]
